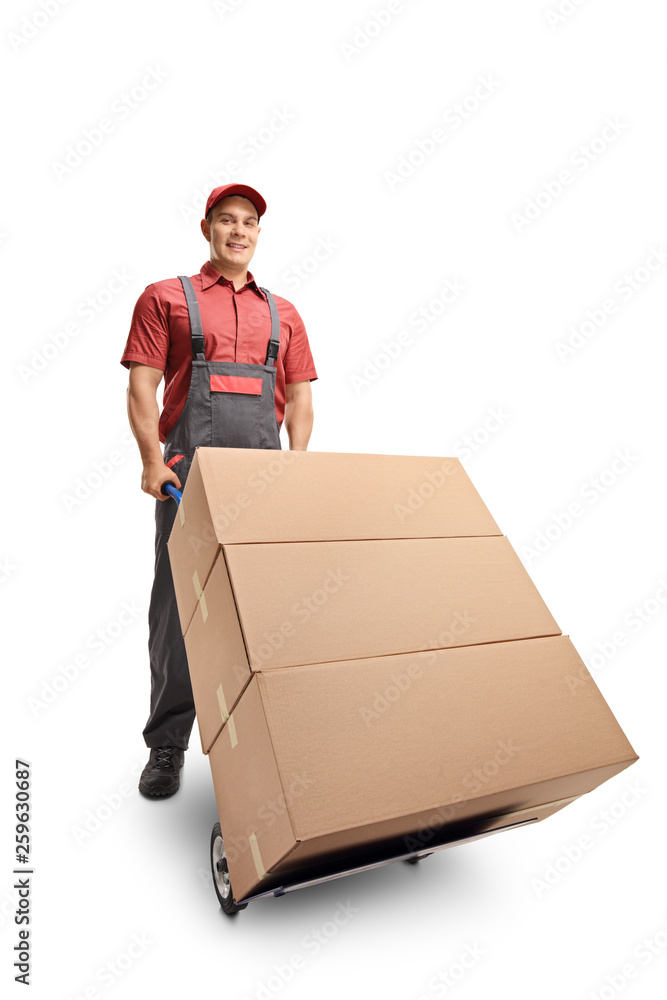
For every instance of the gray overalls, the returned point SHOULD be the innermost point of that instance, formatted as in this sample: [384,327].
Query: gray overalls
[229,405]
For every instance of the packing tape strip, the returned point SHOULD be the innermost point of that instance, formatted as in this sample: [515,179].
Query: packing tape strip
[231,729]
[256,856]
[222,703]
[181,512]
[196,585]
[203,606]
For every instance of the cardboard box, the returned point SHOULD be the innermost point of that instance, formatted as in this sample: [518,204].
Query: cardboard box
[271,605]
[237,495]
[332,764]
[374,671]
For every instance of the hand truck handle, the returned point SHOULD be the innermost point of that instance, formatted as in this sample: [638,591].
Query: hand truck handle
[170,490]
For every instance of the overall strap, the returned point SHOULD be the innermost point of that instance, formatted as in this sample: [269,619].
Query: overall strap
[196,331]
[274,343]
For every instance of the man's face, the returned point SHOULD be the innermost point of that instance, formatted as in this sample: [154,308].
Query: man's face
[232,232]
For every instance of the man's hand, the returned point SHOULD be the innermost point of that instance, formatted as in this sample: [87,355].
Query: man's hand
[154,475]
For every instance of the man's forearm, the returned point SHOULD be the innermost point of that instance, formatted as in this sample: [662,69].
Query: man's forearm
[144,416]
[299,420]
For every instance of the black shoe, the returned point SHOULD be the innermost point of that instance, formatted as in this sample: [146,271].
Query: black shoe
[161,776]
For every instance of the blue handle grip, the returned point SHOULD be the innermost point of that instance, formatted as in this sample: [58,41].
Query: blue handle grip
[171,491]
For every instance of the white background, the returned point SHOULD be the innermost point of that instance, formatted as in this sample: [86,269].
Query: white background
[357,97]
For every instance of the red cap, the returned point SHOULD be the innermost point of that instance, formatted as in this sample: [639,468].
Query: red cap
[246,192]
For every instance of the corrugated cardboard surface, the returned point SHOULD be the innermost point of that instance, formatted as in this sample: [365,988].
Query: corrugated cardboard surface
[317,601]
[192,545]
[217,659]
[236,495]
[330,757]
[289,603]
[248,790]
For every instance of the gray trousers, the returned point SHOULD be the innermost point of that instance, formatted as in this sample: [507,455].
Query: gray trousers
[172,709]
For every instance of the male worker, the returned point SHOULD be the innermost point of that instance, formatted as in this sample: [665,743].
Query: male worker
[235,362]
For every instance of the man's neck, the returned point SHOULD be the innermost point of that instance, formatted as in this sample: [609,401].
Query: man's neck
[238,278]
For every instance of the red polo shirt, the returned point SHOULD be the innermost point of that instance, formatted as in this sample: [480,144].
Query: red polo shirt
[237,327]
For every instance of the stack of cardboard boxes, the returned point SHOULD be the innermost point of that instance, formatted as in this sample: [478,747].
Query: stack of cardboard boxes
[374,672]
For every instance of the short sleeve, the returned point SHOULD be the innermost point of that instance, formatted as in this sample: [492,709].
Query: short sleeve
[299,364]
[148,339]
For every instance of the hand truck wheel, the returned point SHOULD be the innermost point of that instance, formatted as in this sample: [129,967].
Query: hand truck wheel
[220,872]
